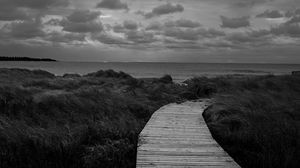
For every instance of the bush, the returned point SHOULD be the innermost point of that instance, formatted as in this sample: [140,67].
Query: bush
[71,76]
[109,74]
[43,73]
[166,79]
[200,87]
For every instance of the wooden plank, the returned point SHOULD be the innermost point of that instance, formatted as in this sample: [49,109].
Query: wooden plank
[177,136]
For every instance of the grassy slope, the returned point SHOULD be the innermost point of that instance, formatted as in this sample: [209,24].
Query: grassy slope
[94,120]
[256,119]
[71,121]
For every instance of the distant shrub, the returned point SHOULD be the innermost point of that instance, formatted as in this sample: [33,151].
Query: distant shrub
[43,73]
[200,87]
[296,73]
[166,79]
[71,76]
[189,95]
[109,74]
[134,83]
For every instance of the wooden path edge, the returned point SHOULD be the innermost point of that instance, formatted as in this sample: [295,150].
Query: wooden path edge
[177,136]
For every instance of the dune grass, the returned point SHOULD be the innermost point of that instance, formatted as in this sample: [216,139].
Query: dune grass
[75,121]
[257,119]
[94,120]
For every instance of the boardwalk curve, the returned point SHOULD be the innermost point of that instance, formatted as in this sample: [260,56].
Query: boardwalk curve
[177,136]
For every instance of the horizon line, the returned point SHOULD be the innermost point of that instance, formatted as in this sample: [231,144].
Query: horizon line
[177,62]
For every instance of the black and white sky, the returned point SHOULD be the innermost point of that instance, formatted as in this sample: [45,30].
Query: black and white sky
[224,31]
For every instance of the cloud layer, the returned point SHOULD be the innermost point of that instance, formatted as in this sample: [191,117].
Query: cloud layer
[270,14]
[235,22]
[24,29]
[164,9]
[112,4]
[201,27]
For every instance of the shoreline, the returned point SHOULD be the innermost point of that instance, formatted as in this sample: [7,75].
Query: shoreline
[26,59]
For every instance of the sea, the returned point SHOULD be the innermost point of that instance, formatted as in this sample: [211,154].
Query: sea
[178,71]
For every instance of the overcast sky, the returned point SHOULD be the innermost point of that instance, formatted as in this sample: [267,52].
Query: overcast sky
[225,31]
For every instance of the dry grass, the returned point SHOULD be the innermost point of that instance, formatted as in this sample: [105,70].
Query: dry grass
[73,121]
[257,120]
[94,120]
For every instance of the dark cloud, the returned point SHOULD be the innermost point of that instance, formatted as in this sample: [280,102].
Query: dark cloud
[251,37]
[183,23]
[248,3]
[127,26]
[139,37]
[34,4]
[58,37]
[270,14]
[11,10]
[292,13]
[210,33]
[192,34]
[179,30]
[219,44]
[83,16]
[155,26]
[235,22]
[10,14]
[164,9]
[292,30]
[130,25]
[294,16]
[112,4]
[183,29]
[23,9]
[110,39]
[82,21]
[241,40]
[175,44]
[118,28]
[38,4]
[23,29]
[294,19]
[139,12]
[82,27]
[263,37]
[182,34]
[242,3]
[167,8]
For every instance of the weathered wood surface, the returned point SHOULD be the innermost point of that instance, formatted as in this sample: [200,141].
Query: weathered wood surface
[177,136]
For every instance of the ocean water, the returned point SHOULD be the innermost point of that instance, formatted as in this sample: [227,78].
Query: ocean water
[179,71]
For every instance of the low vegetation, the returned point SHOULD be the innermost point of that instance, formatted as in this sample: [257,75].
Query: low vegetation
[255,119]
[75,121]
[94,120]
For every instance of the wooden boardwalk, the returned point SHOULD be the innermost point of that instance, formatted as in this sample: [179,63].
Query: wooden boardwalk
[177,136]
